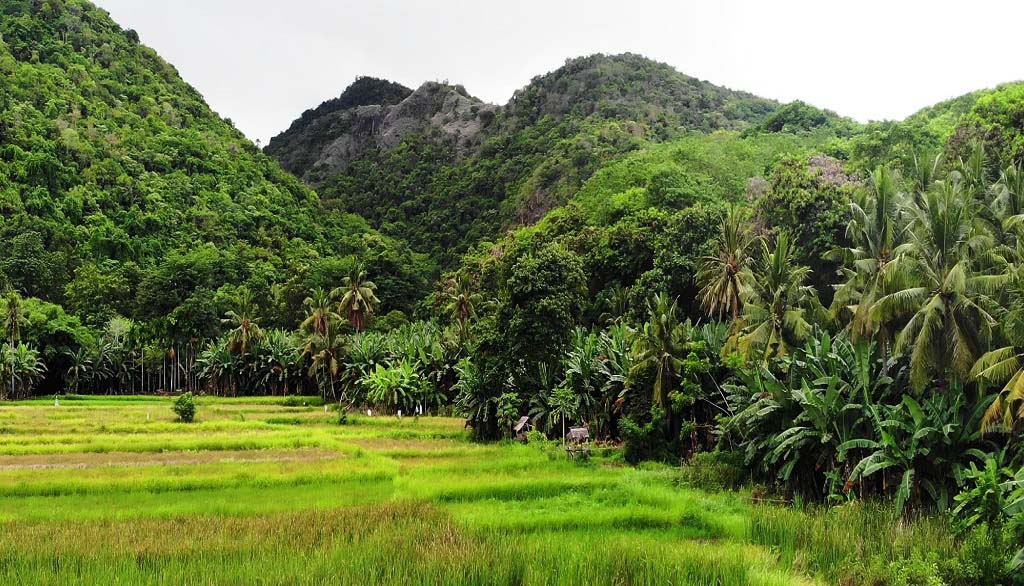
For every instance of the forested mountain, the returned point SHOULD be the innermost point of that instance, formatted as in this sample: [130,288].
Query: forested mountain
[833,310]
[123,194]
[442,159]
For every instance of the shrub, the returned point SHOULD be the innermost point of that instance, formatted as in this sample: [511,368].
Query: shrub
[508,412]
[646,441]
[185,407]
[302,401]
[916,571]
[714,471]
[983,559]
[551,448]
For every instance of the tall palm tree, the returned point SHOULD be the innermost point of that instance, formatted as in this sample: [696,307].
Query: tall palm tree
[938,289]
[974,171]
[1004,366]
[320,317]
[775,314]
[13,318]
[661,345]
[324,352]
[81,366]
[462,300]
[876,230]
[723,275]
[357,298]
[245,331]
[924,172]
[1008,199]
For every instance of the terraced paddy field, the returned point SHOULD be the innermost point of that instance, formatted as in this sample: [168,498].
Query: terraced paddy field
[114,491]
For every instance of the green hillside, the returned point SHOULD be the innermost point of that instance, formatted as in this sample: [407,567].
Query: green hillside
[768,302]
[444,192]
[123,194]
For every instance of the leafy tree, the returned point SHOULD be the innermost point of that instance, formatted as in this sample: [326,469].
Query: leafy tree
[15,317]
[185,408]
[810,200]
[542,300]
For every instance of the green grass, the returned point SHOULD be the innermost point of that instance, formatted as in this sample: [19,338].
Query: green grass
[112,491]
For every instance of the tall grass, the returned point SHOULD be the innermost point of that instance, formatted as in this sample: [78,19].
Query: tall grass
[112,491]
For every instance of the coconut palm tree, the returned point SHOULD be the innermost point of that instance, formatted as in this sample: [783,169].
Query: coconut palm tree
[81,367]
[723,275]
[1004,365]
[1008,199]
[878,227]
[924,172]
[245,331]
[774,318]
[462,300]
[660,346]
[320,317]
[14,317]
[324,352]
[937,288]
[357,298]
[974,171]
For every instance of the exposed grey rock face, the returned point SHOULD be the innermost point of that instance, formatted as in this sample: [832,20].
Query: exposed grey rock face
[443,111]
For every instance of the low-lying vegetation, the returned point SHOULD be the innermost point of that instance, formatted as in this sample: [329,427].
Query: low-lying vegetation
[382,500]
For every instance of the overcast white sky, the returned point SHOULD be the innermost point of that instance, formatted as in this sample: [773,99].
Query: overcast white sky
[262,62]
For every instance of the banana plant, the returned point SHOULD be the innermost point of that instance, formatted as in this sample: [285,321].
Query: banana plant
[925,447]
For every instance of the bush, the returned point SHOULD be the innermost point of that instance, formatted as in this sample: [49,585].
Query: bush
[302,401]
[983,559]
[185,407]
[714,471]
[646,441]
[916,571]
[551,448]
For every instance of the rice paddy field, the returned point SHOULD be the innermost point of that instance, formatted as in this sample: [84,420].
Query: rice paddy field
[267,491]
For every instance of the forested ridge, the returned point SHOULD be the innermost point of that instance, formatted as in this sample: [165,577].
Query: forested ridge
[124,196]
[502,166]
[773,293]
